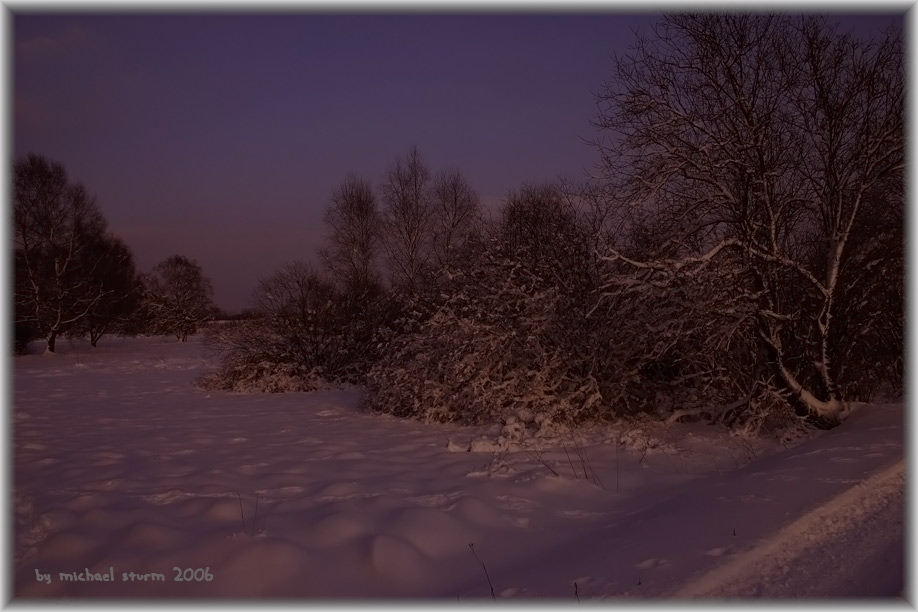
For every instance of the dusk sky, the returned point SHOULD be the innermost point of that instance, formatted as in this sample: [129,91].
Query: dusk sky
[221,137]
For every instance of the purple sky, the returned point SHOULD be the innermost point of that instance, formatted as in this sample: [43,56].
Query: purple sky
[221,137]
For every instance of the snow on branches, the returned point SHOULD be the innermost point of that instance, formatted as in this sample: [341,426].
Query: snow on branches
[775,138]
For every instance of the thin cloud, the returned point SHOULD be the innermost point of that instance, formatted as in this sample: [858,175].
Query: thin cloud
[73,38]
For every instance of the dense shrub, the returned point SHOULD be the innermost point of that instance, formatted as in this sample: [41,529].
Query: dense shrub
[307,333]
[251,362]
[485,354]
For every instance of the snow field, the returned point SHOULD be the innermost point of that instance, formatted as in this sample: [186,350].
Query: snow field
[121,462]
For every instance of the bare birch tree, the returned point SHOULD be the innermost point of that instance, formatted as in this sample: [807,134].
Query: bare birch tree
[758,140]
[55,225]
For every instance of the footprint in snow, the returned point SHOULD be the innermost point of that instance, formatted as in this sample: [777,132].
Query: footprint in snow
[509,502]
[652,563]
[442,501]
[251,469]
[585,581]
[105,459]
[515,592]
[839,480]
[584,514]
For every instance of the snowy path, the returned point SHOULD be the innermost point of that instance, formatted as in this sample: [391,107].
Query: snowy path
[655,551]
[122,465]
[848,547]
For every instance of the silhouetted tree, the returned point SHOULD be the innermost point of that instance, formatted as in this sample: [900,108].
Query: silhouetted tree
[456,215]
[118,278]
[353,242]
[407,220]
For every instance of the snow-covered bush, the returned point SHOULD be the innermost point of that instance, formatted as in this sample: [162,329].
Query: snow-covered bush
[493,346]
[254,360]
[476,370]
[307,333]
[241,374]
[671,344]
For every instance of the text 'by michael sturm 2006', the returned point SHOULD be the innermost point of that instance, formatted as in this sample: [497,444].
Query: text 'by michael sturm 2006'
[200,574]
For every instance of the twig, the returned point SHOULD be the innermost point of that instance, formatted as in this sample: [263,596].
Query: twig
[242,512]
[576,594]
[255,520]
[585,460]
[579,448]
[538,457]
[472,548]
[596,478]
[573,469]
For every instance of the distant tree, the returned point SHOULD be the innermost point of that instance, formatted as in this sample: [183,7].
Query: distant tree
[456,215]
[760,148]
[353,243]
[56,225]
[407,220]
[178,297]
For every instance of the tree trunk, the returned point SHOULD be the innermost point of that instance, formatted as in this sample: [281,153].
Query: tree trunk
[52,337]
[823,414]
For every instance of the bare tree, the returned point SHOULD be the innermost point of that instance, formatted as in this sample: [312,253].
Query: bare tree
[118,278]
[757,140]
[353,244]
[456,215]
[407,219]
[178,296]
[55,224]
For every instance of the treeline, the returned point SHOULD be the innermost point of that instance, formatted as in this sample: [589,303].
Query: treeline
[739,259]
[73,278]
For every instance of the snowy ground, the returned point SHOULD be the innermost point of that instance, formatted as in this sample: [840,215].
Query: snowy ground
[122,465]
